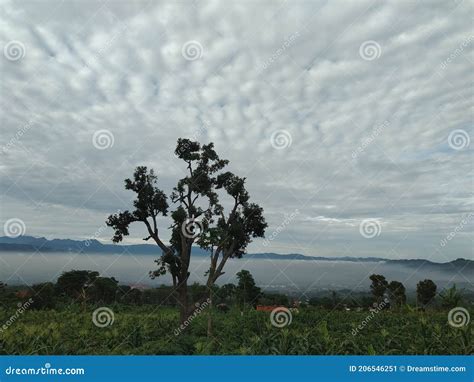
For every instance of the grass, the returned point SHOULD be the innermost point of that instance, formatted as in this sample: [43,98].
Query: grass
[151,330]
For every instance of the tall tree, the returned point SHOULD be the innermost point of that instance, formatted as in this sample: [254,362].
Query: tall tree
[397,294]
[198,216]
[378,287]
[425,292]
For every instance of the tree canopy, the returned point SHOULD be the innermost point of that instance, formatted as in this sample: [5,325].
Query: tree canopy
[196,213]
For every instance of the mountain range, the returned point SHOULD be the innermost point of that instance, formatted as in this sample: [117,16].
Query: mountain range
[34,244]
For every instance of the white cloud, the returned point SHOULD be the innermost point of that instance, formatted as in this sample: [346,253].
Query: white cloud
[265,66]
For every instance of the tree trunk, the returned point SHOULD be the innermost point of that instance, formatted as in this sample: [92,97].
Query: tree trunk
[183,300]
[209,314]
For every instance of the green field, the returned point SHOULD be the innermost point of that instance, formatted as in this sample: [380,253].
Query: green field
[151,330]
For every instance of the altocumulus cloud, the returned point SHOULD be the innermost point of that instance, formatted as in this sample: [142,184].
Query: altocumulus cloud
[301,68]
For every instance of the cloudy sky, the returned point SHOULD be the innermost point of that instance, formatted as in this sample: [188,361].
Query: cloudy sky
[352,120]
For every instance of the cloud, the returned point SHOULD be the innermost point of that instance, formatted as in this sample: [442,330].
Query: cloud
[369,137]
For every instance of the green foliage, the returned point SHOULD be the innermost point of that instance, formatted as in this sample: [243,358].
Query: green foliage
[378,287]
[451,297]
[150,330]
[397,294]
[43,296]
[425,292]
[103,289]
[74,283]
[247,291]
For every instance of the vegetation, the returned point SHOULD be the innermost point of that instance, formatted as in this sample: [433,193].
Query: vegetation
[149,329]
[58,319]
[198,217]
[425,292]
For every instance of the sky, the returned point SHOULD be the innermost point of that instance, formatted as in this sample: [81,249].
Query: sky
[351,120]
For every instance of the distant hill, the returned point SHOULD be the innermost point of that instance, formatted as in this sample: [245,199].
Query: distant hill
[33,244]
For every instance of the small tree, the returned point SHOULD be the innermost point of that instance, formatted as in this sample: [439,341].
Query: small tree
[450,298]
[104,289]
[75,283]
[378,287]
[425,292]
[247,291]
[227,292]
[397,293]
[43,296]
